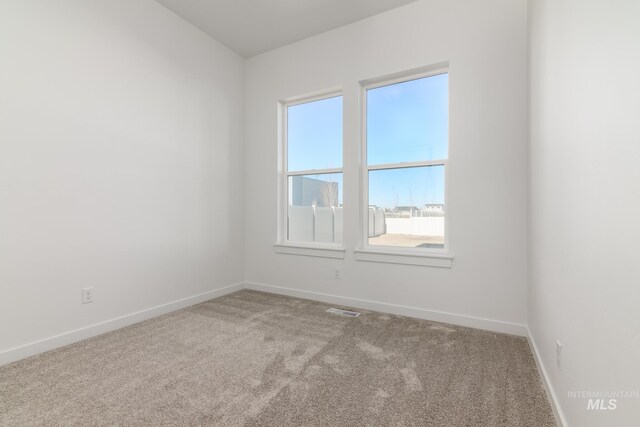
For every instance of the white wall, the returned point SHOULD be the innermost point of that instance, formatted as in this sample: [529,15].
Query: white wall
[120,157]
[585,201]
[485,44]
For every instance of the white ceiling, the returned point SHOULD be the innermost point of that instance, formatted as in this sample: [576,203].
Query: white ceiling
[250,27]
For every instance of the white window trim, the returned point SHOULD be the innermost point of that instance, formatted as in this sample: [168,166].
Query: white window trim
[316,250]
[283,245]
[394,254]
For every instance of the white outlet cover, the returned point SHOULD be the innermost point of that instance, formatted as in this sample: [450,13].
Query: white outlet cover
[87,295]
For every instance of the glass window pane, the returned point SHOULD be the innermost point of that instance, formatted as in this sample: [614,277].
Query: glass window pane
[315,208]
[407,207]
[408,121]
[314,135]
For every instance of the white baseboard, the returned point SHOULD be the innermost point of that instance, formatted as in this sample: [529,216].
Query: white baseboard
[420,313]
[548,387]
[66,338]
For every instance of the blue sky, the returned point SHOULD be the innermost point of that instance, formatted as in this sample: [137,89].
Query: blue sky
[314,136]
[406,122]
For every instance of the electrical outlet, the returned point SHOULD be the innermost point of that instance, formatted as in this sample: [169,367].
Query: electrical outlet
[87,295]
[559,354]
[337,274]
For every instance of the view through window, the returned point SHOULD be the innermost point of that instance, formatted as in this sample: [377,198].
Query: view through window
[407,150]
[314,170]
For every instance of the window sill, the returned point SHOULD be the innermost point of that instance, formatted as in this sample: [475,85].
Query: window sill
[323,251]
[408,258]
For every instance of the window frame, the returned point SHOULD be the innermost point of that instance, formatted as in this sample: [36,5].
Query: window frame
[283,244]
[441,257]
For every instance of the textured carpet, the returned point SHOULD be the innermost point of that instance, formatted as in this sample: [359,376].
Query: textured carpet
[257,359]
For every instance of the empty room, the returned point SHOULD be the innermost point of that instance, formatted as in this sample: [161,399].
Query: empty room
[320,213]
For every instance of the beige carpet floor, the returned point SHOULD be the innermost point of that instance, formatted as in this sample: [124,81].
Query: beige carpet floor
[258,359]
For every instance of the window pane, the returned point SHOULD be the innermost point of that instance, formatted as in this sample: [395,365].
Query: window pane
[315,208]
[314,135]
[408,121]
[406,207]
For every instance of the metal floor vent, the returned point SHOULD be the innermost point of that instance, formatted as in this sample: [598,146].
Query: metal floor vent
[341,312]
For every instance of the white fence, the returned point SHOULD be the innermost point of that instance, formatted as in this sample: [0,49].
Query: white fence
[416,226]
[315,224]
[325,224]
[377,224]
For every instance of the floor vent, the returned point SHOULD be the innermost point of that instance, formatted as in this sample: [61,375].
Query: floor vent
[346,313]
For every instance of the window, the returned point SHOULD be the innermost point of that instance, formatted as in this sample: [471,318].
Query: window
[406,145]
[312,136]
